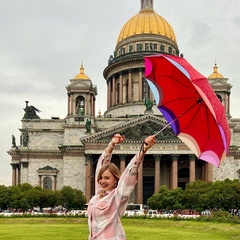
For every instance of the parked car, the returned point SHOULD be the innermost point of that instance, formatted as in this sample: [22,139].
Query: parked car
[153,213]
[206,213]
[133,213]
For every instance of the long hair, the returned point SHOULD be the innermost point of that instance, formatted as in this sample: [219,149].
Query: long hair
[112,168]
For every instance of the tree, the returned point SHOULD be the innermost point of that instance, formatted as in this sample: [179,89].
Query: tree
[71,198]
[194,194]
[34,197]
[4,197]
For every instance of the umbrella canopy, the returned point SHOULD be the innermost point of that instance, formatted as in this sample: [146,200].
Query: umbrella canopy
[189,104]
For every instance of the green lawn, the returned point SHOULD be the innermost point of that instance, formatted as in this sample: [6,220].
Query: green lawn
[136,229]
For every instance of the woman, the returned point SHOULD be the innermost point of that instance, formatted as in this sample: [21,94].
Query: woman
[112,192]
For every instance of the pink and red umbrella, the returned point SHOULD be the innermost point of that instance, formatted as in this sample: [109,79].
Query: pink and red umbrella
[189,104]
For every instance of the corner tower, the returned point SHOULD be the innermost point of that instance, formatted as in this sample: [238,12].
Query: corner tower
[222,88]
[144,34]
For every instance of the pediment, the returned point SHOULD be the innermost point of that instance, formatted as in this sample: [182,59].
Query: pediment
[219,82]
[47,168]
[135,130]
[80,84]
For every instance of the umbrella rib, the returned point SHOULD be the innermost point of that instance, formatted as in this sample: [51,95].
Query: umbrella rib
[179,99]
[199,101]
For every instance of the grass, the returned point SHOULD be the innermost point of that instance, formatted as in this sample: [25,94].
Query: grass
[141,229]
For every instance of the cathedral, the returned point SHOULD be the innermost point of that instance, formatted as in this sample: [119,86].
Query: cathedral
[63,152]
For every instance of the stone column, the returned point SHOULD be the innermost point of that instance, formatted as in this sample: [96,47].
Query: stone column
[121,89]
[88,105]
[130,86]
[88,173]
[14,176]
[157,173]
[94,110]
[92,107]
[209,172]
[122,162]
[55,183]
[109,94]
[69,103]
[40,180]
[18,174]
[139,188]
[174,172]
[192,166]
[228,106]
[113,91]
[140,76]
[151,96]
[73,107]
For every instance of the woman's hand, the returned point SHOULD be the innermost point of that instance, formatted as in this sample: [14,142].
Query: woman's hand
[117,138]
[149,142]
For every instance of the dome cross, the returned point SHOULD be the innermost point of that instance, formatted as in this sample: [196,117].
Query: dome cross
[146,4]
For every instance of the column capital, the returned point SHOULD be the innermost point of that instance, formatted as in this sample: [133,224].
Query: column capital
[122,156]
[88,158]
[25,164]
[157,156]
[192,157]
[175,156]
[14,165]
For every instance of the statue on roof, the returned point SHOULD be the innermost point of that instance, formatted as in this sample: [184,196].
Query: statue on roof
[24,138]
[13,141]
[30,112]
[88,126]
[148,104]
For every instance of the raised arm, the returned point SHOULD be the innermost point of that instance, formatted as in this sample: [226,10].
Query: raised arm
[129,177]
[106,156]
[117,138]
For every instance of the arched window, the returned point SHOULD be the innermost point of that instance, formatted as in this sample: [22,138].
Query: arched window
[47,183]
[147,46]
[130,48]
[80,106]
[162,48]
[219,97]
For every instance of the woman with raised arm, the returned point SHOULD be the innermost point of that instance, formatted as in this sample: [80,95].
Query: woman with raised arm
[112,192]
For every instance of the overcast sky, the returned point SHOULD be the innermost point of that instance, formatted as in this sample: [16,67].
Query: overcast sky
[43,42]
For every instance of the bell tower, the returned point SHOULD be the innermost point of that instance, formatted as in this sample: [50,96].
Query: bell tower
[222,88]
[81,96]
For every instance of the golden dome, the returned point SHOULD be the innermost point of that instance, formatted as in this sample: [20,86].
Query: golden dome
[215,73]
[81,75]
[147,22]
